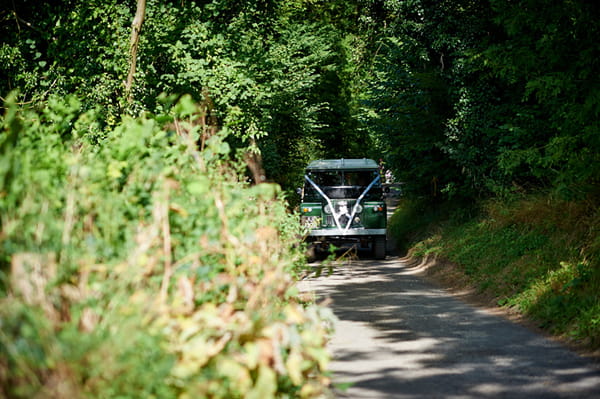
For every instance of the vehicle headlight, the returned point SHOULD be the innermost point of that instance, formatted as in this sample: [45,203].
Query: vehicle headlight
[358,208]
[327,209]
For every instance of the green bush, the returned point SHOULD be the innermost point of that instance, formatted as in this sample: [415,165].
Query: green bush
[408,222]
[416,219]
[134,265]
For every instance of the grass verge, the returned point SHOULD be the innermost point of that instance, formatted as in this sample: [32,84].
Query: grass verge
[536,255]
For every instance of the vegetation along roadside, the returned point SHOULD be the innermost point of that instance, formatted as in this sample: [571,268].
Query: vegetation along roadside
[145,267]
[535,256]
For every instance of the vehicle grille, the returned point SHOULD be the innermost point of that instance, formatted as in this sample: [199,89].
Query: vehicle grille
[330,221]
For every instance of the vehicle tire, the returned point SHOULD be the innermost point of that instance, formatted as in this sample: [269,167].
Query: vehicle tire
[379,248]
[311,253]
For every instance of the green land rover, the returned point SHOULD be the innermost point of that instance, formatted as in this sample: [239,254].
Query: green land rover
[343,202]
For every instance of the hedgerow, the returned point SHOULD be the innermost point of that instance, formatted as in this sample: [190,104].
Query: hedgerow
[134,265]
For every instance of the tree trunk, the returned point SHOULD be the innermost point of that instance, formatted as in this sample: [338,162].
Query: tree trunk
[136,27]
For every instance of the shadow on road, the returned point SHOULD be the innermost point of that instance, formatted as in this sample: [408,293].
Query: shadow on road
[400,337]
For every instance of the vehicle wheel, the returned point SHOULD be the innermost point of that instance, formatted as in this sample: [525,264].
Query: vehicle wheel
[311,253]
[379,248]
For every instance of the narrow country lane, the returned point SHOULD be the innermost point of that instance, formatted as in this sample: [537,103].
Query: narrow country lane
[398,336]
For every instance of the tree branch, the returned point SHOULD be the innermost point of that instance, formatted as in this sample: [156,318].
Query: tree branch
[136,28]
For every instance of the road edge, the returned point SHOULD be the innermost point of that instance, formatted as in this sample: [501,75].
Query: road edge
[447,275]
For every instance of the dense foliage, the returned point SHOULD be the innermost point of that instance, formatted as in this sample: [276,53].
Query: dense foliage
[275,78]
[463,98]
[142,267]
[476,97]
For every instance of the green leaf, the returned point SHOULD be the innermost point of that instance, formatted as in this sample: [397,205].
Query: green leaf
[198,187]
[265,386]
[293,365]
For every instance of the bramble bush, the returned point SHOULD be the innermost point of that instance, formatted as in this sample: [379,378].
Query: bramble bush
[134,265]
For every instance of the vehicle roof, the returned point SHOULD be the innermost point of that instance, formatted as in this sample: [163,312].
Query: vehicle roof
[343,164]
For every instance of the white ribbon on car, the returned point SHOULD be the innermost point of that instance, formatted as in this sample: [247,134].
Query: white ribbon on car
[336,215]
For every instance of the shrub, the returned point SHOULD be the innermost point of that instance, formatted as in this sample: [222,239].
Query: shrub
[136,266]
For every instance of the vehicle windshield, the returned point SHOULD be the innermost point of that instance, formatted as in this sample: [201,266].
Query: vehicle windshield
[342,184]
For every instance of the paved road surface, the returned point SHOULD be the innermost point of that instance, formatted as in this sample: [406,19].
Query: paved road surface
[400,337]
